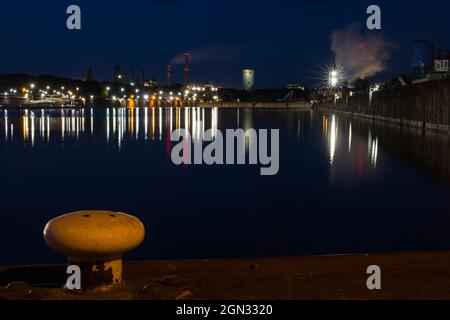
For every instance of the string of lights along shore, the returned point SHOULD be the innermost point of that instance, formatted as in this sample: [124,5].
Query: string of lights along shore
[35,91]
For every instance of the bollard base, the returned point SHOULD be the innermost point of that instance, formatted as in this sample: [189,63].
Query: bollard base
[101,275]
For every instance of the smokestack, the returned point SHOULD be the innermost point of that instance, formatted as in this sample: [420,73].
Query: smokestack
[169,75]
[186,68]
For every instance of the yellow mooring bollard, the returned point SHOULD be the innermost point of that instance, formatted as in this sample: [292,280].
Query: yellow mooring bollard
[95,241]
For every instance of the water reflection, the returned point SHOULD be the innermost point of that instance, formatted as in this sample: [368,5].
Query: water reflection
[116,123]
[426,150]
[357,143]
[372,145]
[332,138]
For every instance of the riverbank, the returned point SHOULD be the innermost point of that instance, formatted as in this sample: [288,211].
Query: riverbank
[391,120]
[403,276]
[423,105]
[257,105]
[234,105]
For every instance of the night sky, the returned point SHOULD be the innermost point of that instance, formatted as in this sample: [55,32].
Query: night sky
[285,41]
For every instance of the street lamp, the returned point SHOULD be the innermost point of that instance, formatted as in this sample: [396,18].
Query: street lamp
[333,78]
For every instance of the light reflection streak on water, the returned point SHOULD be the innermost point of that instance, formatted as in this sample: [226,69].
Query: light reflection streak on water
[78,123]
[32,128]
[42,125]
[350,138]
[146,123]
[92,120]
[137,123]
[171,120]
[63,124]
[153,124]
[325,127]
[237,118]
[372,145]
[375,153]
[83,122]
[186,119]
[131,120]
[214,122]
[6,125]
[25,125]
[107,125]
[194,125]
[160,123]
[333,138]
[114,121]
[48,128]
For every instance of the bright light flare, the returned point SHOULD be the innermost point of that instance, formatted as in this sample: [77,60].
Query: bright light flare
[333,78]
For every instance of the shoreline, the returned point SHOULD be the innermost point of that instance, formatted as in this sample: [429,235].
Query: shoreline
[388,120]
[423,105]
[341,277]
[258,105]
[207,105]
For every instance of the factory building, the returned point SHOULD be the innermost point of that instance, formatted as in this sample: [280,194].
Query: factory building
[248,80]
[423,58]
[442,62]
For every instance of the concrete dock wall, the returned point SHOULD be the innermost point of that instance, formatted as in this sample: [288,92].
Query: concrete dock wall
[425,105]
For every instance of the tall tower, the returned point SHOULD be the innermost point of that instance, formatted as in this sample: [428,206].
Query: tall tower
[169,75]
[248,79]
[423,60]
[186,68]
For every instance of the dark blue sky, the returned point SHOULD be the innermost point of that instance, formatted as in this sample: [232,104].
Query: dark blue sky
[285,41]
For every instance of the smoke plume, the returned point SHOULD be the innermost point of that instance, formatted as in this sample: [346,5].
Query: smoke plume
[215,52]
[359,55]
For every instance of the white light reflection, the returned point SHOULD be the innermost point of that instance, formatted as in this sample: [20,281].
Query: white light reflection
[137,123]
[107,125]
[74,123]
[375,153]
[372,149]
[160,123]
[146,123]
[214,122]
[6,125]
[171,120]
[42,125]
[350,138]
[114,122]
[333,138]
[48,128]
[63,124]
[186,119]
[32,128]
[92,120]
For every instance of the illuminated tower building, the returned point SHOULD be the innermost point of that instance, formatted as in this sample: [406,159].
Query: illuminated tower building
[248,80]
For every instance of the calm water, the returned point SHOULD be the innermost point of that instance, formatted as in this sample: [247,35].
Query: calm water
[344,186]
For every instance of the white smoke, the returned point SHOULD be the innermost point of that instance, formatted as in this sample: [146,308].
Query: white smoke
[359,55]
